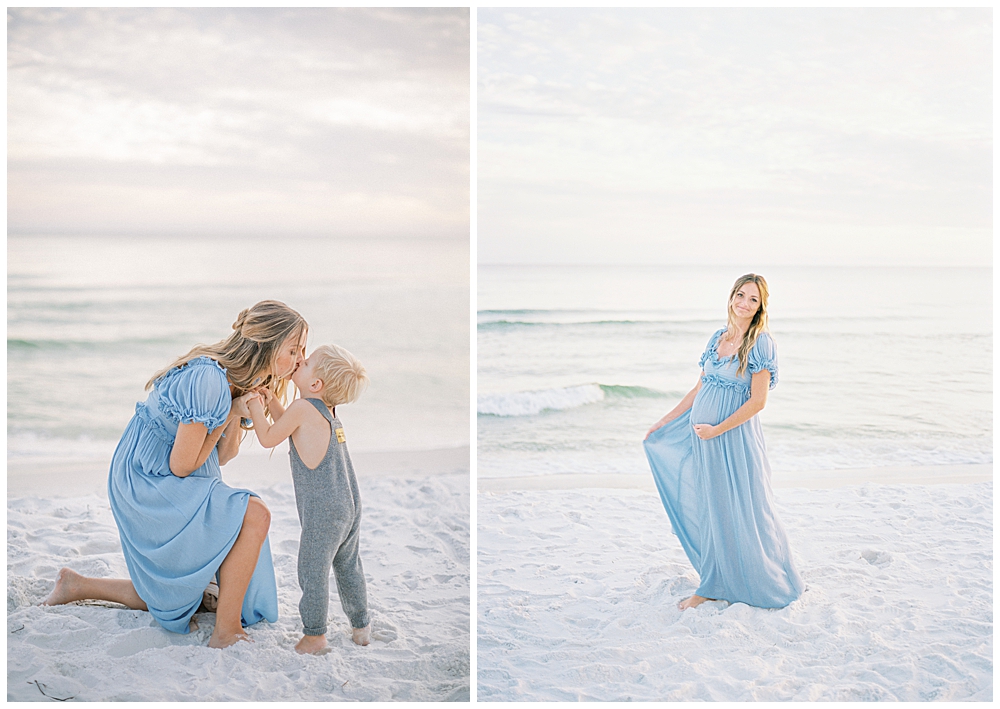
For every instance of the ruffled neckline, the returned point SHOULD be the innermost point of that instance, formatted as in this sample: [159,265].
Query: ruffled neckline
[713,349]
[712,355]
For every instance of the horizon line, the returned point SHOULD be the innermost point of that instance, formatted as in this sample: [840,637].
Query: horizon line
[444,236]
[699,264]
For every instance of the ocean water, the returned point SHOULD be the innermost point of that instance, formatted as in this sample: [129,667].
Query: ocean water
[90,319]
[877,366]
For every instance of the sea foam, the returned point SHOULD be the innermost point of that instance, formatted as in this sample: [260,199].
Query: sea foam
[529,403]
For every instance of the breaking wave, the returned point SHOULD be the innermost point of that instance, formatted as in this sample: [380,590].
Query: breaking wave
[530,403]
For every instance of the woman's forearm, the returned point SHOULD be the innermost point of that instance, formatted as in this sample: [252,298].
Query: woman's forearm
[740,416]
[192,446]
[229,443]
[681,407]
[686,403]
[677,411]
[211,440]
[759,386]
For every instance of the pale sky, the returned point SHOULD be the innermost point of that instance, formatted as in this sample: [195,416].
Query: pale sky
[778,136]
[238,121]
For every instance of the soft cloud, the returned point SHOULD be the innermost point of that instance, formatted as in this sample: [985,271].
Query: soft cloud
[307,121]
[685,135]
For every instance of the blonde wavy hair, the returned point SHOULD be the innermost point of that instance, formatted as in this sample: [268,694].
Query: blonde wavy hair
[249,353]
[757,325]
[344,377]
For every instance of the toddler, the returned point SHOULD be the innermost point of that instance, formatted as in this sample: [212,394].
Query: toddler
[326,490]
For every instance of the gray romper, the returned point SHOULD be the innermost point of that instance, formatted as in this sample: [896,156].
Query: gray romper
[329,506]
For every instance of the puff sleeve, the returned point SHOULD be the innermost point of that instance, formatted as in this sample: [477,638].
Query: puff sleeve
[197,392]
[764,355]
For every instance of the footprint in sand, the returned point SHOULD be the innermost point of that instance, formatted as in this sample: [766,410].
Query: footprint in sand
[454,665]
[881,559]
[384,635]
[384,632]
[139,640]
[422,551]
[410,580]
[133,620]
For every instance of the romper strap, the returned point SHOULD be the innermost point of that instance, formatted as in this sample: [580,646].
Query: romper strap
[322,408]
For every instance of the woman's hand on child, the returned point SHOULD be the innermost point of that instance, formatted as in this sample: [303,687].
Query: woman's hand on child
[241,404]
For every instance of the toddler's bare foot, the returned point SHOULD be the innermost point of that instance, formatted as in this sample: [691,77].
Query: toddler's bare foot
[192,625]
[67,588]
[693,602]
[219,640]
[362,636]
[311,645]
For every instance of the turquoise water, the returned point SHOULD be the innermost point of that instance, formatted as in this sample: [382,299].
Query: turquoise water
[878,366]
[90,319]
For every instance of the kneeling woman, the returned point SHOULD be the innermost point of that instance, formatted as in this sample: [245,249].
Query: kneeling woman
[180,525]
[710,465]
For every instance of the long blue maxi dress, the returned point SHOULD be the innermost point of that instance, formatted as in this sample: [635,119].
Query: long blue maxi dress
[717,493]
[175,532]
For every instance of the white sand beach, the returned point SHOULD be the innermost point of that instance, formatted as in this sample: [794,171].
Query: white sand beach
[578,587]
[415,549]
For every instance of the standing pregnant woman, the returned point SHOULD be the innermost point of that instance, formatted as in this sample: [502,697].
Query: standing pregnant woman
[180,525]
[710,465]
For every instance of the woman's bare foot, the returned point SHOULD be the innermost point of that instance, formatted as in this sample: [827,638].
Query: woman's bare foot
[67,590]
[221,640]
[71,586]
[311,645]
[362,636]
[693,602]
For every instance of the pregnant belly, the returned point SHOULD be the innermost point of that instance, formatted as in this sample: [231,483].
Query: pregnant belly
[714,404]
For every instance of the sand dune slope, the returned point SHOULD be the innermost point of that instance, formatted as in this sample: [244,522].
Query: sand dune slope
[415,549]
[578,591]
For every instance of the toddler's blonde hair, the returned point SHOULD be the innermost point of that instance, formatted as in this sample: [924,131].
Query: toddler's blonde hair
[344,377]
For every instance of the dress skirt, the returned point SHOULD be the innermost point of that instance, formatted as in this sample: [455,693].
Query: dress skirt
[175,532]
[717,494]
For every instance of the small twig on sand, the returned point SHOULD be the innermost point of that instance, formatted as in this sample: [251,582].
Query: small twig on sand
[101,604]
[18,629]
[344,684]
[40,685]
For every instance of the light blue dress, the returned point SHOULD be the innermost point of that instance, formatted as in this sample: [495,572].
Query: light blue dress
[175,532]
[718,492]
